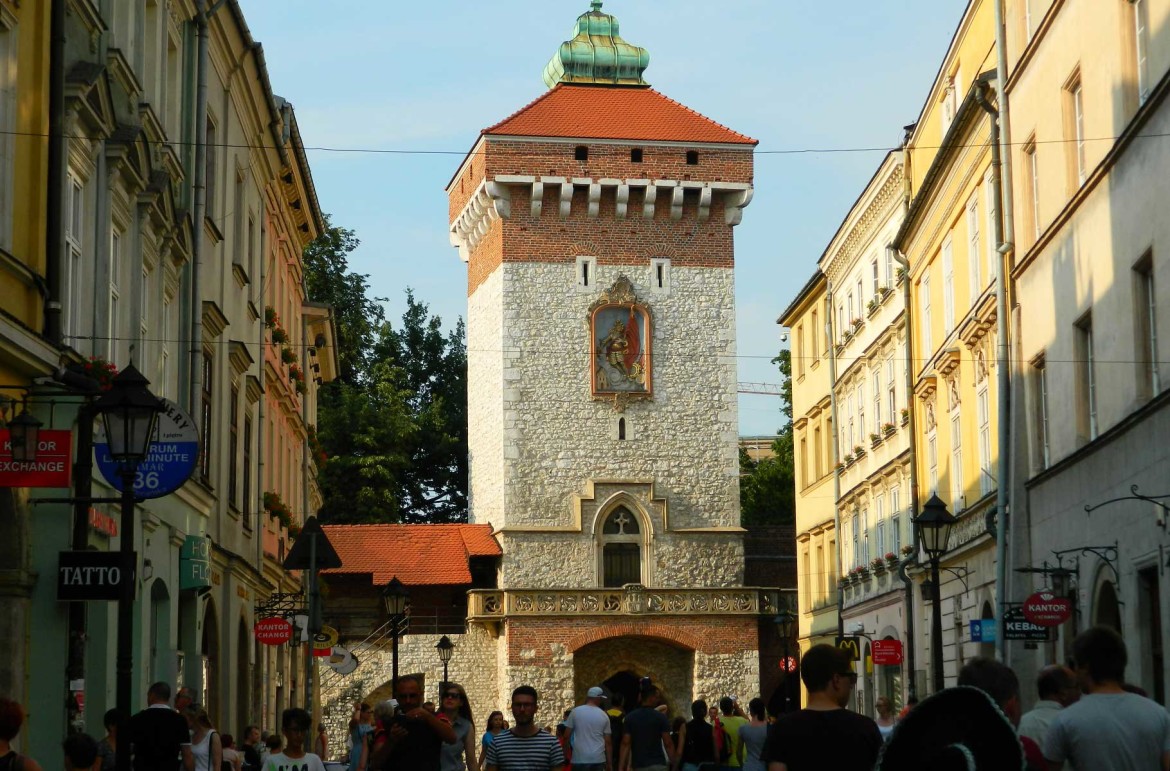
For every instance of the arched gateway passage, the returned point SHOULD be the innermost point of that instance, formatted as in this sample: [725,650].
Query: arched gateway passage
[619,663]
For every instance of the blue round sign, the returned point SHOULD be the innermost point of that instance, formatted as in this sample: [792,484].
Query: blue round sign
[174,452]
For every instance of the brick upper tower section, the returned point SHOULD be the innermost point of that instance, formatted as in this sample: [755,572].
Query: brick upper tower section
[621,173]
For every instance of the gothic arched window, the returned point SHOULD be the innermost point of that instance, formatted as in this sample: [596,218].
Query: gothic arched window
[621,537]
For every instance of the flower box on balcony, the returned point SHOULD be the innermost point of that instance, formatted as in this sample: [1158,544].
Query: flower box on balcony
[875,439]
[888,429]
[905,416]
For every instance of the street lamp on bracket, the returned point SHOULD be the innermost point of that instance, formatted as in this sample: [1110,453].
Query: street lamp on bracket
[445,648]
[785,622]
[24,436]
[396,598]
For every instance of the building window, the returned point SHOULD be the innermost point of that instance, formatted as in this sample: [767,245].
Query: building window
[660,276]
[814,335]
[1029,29]
[621,429]
[896,534]
[873,269]
[948,267]
[692,158]
[581,153]
[818,451]
[164,351]
[857,538]
[861,412]
[891,388]
[1032,179]
[879,515]
[586,272]
[1040,411]
[958,503]
[989,188]
[890,269]
[877,399]
[983,410]
[212,164]
[798,341]
[860,298]
[865,545]
[114,306]
[1086,378]
[205,421]
[1141,27]
[1074,112]
[924,300]
[636,155]
[233,445]
[1146,327]
[974,255]
[622,549]
[74,259]
[932,462]
[246,468]
[803,463]
[895,500]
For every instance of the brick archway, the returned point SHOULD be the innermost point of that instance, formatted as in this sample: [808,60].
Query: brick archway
[657,630]
[670,666]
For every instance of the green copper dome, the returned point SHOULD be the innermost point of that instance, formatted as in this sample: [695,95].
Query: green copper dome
[597,54]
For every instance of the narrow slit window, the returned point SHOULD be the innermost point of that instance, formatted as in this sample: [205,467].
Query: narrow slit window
[692,158]
[659,274]
[621,429]
[581,153]
[636,155]
[585,274]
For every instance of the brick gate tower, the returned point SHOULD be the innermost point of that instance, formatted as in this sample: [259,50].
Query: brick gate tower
[597,226]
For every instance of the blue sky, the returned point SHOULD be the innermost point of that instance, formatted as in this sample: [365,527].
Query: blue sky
[428,76]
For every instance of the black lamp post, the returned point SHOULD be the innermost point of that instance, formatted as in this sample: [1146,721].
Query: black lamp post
[934,531]
[129,412]
[23,436]
[785,623]
[396,598]
[445,648]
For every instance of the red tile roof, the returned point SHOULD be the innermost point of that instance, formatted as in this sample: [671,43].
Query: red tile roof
[416,554]
[614,112]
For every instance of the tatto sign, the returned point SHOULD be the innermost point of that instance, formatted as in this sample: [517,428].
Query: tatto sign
[50,468]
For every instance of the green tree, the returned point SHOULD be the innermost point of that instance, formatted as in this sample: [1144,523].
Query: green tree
[394,423]
[767,489]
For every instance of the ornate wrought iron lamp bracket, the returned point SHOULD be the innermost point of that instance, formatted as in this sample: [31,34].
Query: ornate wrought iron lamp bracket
[1135,495]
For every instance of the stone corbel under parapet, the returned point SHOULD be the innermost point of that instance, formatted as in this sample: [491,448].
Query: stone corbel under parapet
[490,201]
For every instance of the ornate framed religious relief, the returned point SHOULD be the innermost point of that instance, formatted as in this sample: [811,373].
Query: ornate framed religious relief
[620,360]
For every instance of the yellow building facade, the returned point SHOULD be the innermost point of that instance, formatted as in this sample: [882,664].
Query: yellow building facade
[949,240]
[812,425]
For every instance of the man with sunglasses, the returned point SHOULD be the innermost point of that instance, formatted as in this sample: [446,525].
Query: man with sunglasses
[413,737]
[824,734]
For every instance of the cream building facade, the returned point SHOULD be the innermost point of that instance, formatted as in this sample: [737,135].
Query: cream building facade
[874,501]
[817,562]
[1089,90]
[949,240]
[166,234]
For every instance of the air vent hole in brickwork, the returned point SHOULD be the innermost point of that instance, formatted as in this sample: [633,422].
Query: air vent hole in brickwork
[692,158]
[581,153]
[635,156]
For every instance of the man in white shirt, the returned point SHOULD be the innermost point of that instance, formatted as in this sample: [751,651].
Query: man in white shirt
[1057,688]
[590,734]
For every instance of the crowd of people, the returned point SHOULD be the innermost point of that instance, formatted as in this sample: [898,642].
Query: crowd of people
[1087,718]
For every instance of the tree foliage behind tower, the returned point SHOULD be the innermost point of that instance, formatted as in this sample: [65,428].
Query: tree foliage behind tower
[394,423]
[767,489]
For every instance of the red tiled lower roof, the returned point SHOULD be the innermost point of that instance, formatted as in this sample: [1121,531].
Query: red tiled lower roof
[415,554]
[614,112]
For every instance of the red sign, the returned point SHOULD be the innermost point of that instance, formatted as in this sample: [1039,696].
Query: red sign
[50,468]
[1046,609]
[103,523]
[787,663]
[886,653]
[323,652]
[273,631]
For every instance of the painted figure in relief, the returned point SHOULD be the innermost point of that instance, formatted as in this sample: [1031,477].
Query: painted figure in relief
[619,350]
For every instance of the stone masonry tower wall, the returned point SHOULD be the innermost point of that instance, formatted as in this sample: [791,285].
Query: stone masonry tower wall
[548,235]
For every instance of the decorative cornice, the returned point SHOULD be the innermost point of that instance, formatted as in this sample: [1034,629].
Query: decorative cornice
[489,202]
[841,255]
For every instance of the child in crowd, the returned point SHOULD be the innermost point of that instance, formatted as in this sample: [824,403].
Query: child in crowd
[295,725]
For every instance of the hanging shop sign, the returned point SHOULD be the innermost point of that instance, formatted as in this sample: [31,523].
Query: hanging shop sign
[342,661]
[982,630]
[273,631]
[852,646]
[195,562]
[1047,609]
[102,523]
[1016,626]
[788,664]
[174,452]
[93,575]
[886,653]
[50,468]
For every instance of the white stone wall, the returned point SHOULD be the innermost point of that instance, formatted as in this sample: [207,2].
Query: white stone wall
[727,674]
[528,347]
[485,404]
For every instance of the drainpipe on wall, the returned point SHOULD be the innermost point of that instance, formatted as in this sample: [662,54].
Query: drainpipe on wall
[55,189]
[1006,250]
[836,459]
[1002,376]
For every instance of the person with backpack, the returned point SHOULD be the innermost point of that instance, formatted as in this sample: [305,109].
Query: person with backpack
[11,719]
[696,741]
